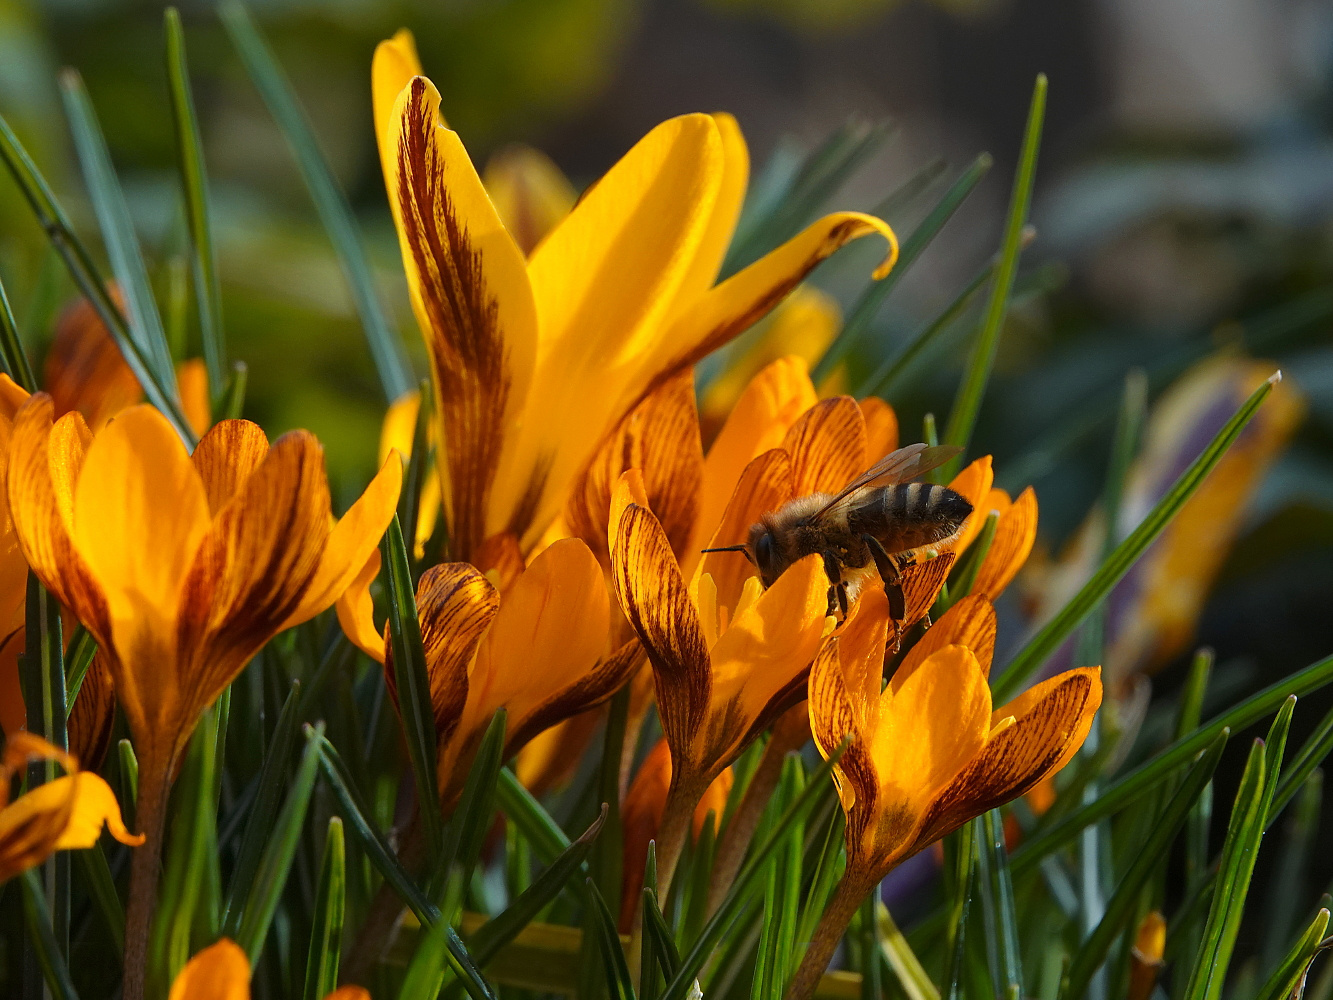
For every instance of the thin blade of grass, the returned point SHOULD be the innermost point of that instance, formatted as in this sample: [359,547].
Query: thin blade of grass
[868,306]
[12,354]
[1286,900]
[1288,979]
[194,180]
[471,822]
[78,658]
[413,686]
[38,919]
[425,972]
[533,821]
[1118,563]
[386,348]
[1003,917]
[967,404]
[101,885]
[1239,851]
[271,876]
[615,968]
[911,974]
[1121,908]
[143,322]
[321,967]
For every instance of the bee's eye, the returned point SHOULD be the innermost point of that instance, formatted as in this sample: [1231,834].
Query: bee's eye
[763,551]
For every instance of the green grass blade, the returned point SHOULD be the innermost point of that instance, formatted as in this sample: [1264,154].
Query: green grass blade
[471,823]
[967,404]
[868,306]
[413,685]
[1310,756]
[385,347]
[101,885]
[1286,898]
[1288,979]
[1118,563]
[1196,687]
[37,916]
[781,897]
[1002,918]
[533,821]
[271,876]
[655,929]
[615,968]
[486,942]
[194,178]
[264,810]
[912,975]
[426,970]
[1244,832]
[78,658]
[817,791]
[1122,907]
[827,871]
[321,967]
[143,321]
[12,354]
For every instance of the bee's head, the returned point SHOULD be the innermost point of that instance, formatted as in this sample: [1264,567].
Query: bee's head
[763,552]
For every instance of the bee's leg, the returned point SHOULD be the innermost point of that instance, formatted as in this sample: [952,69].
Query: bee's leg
[893,588]
[837,590]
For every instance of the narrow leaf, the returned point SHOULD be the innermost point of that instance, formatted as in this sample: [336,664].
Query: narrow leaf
[321,969]
[38,919]
[616,969]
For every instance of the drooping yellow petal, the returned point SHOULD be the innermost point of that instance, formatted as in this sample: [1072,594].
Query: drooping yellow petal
[192,385]
[95,806]
[391,69]
[827,446]
[356,611]
[1015,533]
[530,193]
[974,484]
[219,972]
[656,601]
[772,401]
[727,309]
[470,291]
[65,814]
[351,542]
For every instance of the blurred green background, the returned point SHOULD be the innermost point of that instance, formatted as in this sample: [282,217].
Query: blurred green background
[1184,203]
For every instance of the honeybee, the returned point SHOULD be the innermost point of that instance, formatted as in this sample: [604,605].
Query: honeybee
[878,518]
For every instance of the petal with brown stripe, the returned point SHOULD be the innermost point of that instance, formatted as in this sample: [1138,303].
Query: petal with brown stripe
[827,446]
[226,456]
[1015,533]
[970,623]
[764,486]
[974,484]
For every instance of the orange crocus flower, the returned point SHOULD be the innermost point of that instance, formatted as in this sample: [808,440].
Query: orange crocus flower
[540,650]
[928,752]
[222,972]
[61,815]
[181,566]
[536,359]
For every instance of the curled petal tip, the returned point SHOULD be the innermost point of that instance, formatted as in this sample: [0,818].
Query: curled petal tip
[891,257]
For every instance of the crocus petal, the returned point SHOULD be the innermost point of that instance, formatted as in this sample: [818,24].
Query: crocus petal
[95,806]
[725,211]
[770,404]
[1050,723]
[530,193]
[881,428]
[593,687]
[949,699]
[394,64]
[456,604]
[763,655]
[225,458]
[660,436]
[656,602]
[356,611]
[93,714]
[735,304]
[44,463]
[921,583]
[470,290]
[84,369]
[764,486]
[827,446]
[1015,533]
[605,280]
[351,542]
[60,815]
[550,631]
[219,972]
[970,623]
[399,426]
[973,483]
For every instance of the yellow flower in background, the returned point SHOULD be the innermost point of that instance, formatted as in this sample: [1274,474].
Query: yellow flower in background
[61,815]
[929,751]
[529,192]
[181,566]
[535,360]
[538,649]
[222,972]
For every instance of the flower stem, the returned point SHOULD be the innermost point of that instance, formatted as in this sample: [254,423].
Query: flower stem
[672,831]
[832,925]
[150,815]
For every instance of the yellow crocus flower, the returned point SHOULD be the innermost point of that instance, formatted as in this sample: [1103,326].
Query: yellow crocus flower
[927,752]
[181,566]
[222,972]
[536,359]
[61,815]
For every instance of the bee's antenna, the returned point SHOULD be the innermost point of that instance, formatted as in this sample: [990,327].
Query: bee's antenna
[726,548]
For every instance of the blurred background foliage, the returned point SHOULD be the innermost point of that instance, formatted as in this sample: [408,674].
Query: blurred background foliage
[1184,204]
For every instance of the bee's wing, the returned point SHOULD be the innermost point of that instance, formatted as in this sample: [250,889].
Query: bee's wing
[895,467]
